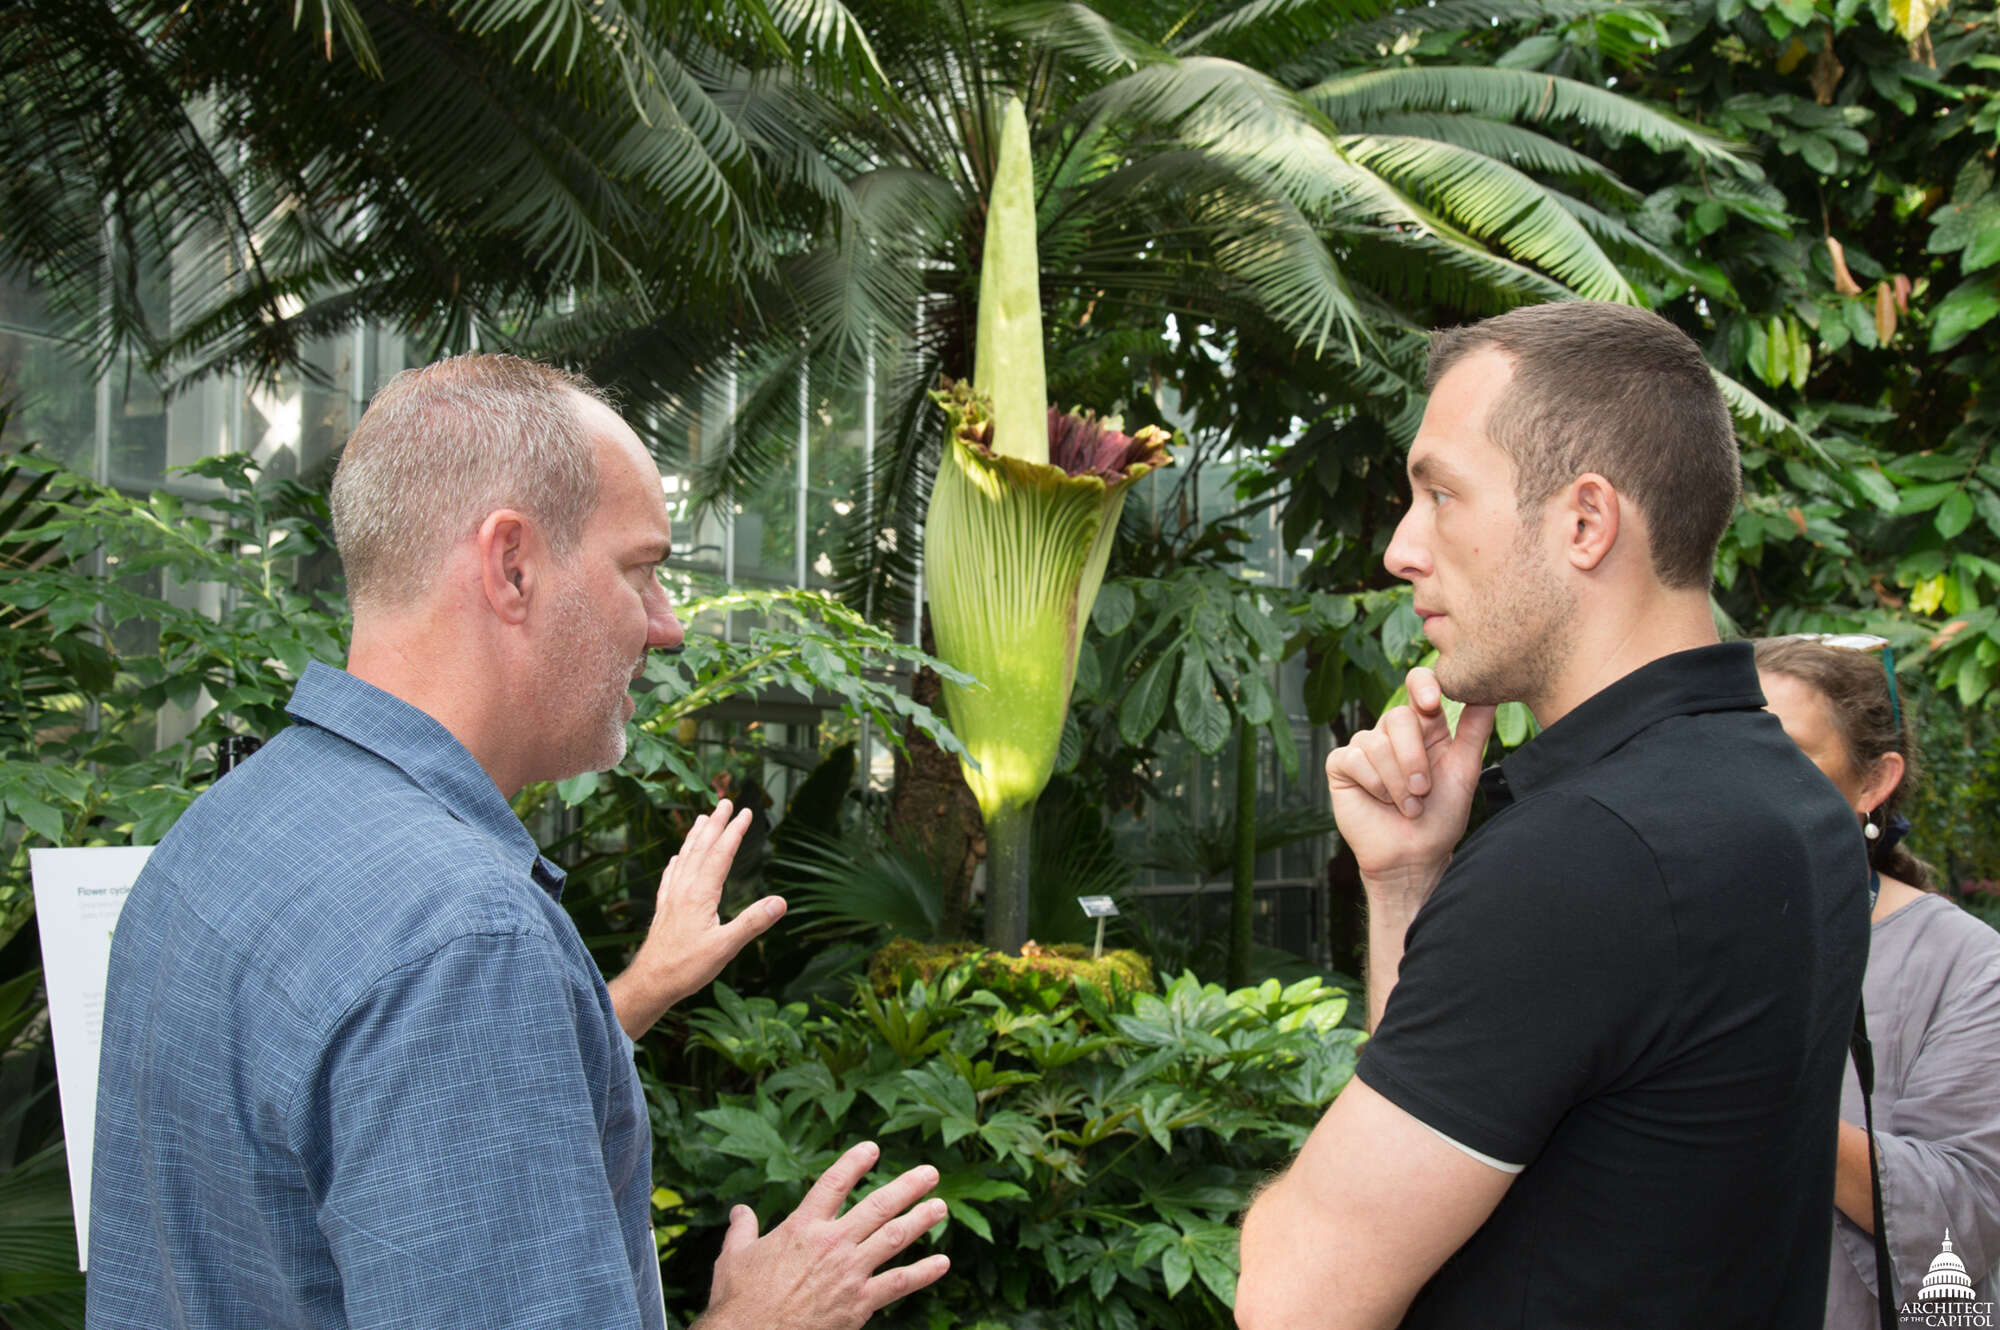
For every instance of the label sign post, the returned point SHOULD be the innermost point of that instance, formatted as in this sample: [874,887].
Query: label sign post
[1099,908]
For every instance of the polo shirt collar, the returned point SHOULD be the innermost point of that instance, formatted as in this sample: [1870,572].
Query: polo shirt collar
[1722,677]
[425,751]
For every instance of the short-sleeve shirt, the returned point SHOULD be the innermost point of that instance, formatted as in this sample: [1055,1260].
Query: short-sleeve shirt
[358,1068]
[1636,982]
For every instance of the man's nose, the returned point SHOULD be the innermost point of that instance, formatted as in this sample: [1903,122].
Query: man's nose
[663,628]
[1405,555]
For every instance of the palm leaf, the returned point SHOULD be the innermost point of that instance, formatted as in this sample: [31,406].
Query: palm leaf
[1496,202]
[1519,147]
[1510,94]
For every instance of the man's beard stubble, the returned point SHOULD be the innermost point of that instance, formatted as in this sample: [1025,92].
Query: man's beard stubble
[1512,650]
[589,678]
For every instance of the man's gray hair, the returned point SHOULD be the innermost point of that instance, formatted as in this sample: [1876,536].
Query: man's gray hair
[443,446]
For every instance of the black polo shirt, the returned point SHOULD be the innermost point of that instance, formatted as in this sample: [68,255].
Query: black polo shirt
[1636,981]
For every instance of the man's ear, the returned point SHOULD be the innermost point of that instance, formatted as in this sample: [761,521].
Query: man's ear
[1592,512]
[510,560]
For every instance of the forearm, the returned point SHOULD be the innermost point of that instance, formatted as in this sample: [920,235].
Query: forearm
[1853,1188]
[1391,907]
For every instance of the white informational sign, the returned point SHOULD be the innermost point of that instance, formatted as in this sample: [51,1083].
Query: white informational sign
[78,895]
[1098,907]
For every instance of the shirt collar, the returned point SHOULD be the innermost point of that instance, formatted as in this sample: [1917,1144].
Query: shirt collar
[425,751]
[1712,678]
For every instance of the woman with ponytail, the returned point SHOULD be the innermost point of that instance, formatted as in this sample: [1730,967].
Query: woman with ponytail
[1932,996]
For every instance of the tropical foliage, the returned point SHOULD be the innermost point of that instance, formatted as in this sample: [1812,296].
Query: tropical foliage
[1091,1151]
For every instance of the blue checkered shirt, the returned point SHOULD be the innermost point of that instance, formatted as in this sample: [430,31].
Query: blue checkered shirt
[358,1069]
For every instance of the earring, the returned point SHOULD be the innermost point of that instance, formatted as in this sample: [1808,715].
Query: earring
[1868,827]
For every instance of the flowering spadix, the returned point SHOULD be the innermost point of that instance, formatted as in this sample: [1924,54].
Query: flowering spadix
[1020,527]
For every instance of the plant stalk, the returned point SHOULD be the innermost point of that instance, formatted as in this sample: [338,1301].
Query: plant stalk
[1009,841]
[1242,897]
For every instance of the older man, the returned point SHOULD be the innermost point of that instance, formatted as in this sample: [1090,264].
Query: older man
[1609,1028]
[359,1070]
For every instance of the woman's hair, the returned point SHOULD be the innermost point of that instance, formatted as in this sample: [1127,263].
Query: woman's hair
[1857,696]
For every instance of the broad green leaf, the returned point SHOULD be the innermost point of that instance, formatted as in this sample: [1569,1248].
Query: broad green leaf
[1258,626]
[968,1215]
[1954,514]
[1973,679]
[1113,610]
[1512,722]
[577,788]
[1984,249]
[1871,485]
[39,818]
[1401,631]
[1139,715]
[1923,498]
[1970,306]
[1203,719]
[1777,364]
[68,611]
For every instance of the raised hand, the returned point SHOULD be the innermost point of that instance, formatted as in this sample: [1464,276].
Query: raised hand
[817,1269]
[688,944]
[1402,791]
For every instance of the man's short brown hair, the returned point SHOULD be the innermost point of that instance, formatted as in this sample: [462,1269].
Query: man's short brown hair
[441,447]
[1619,391]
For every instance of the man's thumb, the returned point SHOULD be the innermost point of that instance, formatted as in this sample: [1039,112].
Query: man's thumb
[1475,727]
[742,1229]
[753,920]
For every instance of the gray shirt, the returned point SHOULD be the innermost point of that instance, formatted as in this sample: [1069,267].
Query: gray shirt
[1933,996]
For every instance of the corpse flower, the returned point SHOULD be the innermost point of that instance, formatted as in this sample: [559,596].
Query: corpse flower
[1021,521]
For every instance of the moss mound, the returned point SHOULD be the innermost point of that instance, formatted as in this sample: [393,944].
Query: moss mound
[1041,977]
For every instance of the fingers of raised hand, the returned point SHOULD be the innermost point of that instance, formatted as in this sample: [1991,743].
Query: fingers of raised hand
[890,1199]
[904,1280]
[831,1191]
[705,829]
[892,1237]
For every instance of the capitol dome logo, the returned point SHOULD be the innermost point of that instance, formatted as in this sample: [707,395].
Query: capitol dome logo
[1946,1297]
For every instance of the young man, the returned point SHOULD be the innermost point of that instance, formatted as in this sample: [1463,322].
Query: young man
[1609,1029]
[358,1068]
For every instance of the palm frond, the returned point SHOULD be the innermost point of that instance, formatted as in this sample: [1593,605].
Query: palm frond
[853,891]
[1263,31]
[1083,33]
[1495,202]
[1510,94]
[1522,148]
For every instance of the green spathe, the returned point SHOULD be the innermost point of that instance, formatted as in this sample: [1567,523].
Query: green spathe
[1014,554]
[1020,526]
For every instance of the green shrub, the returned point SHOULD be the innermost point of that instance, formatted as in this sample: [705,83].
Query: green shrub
[1041,979]
[1092,1156]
